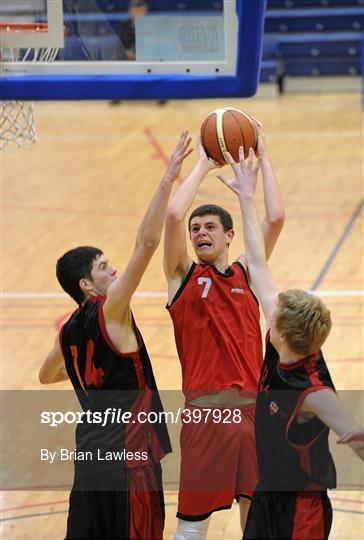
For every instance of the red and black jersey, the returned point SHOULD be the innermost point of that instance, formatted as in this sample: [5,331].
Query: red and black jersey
[292,455]
[217,332]
[104,378]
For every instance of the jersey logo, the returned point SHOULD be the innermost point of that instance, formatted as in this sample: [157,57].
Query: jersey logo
[273,408]
[238,291]
[207,282]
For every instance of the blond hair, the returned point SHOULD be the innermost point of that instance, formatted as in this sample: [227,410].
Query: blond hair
[304,320]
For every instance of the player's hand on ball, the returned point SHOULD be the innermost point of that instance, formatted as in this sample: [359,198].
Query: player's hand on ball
[207,162]
[180,153]
[261,149]
[245,180]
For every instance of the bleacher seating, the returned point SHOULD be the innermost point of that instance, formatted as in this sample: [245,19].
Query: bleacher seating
[314,37]
[311,20]
[298,4]
[119,6]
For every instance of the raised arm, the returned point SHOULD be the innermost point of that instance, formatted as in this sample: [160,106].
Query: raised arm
[176,260]
[273,221]
[116,307]
[326,405]
[244,184]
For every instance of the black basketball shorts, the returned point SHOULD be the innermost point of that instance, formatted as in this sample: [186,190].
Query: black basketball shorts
[124,504]
[289,515]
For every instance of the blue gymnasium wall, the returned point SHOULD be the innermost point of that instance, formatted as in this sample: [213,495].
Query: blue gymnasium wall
[244,84]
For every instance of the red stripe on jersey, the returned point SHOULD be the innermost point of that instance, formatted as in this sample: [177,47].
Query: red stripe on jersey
[139,371]
[295,412]
[103,329]
[312,370]
[60,338]
[294,365]
[135,356]
[74,353]
[93,375]
[145,504]
[308,521]
[305,459]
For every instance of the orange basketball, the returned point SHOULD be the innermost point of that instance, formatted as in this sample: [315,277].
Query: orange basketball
[225,130]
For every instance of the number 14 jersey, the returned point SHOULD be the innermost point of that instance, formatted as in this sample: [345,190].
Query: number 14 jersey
[216,326]
[106,379]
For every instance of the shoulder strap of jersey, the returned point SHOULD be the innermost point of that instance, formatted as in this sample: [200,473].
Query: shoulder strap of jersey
[245,275]
[183,284]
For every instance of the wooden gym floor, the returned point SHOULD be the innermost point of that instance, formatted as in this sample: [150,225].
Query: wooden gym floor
[88,180]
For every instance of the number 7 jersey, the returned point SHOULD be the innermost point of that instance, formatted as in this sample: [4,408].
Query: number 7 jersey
[217,332]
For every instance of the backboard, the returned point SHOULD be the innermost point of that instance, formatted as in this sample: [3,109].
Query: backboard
[120,49]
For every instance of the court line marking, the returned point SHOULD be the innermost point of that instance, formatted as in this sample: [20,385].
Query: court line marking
[22,506]
[60,210]
[66,501]
[300,215]
[347,511]
[340,499]
[114,149]
[41,514]
[9,295]
[160,152]
[163,156]
[338,246]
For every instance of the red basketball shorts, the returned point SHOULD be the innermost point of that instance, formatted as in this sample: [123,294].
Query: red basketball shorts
[218,460]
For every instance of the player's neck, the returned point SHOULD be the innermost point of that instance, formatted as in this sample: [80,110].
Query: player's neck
[287,356]
[221,263]
[222,267]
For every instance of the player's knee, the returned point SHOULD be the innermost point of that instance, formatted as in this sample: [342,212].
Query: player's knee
[191,530]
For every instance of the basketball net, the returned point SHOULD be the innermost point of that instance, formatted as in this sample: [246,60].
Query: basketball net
[17,129]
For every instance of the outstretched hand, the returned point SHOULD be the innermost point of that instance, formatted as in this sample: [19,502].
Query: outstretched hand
[261,148]
[245,179]
[180,153]
[210,164]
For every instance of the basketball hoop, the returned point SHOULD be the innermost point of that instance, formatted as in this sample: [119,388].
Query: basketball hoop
[17,129]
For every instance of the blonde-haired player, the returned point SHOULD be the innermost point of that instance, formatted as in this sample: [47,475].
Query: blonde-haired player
[297,403]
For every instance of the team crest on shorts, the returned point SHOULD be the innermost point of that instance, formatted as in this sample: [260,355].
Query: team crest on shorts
[273,408]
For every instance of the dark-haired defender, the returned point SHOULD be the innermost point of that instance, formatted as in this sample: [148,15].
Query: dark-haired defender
[216,325]
[101,351]
[296,404]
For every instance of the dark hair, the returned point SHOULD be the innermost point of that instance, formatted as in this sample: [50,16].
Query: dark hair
[213,210]
[73,266]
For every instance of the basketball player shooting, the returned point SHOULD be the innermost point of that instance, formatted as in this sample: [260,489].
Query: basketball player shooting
[216,325]
[296,404]
[101,351]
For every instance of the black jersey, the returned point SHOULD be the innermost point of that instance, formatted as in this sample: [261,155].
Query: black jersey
[291,455]
[103,378]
